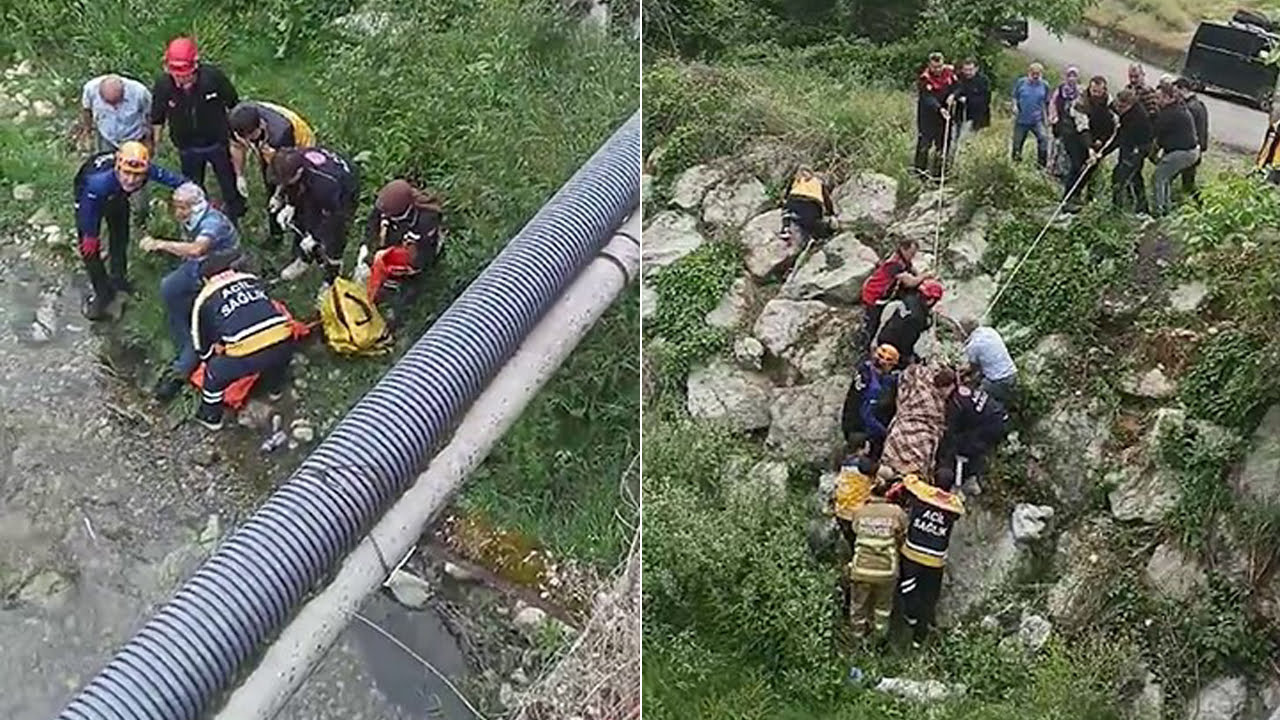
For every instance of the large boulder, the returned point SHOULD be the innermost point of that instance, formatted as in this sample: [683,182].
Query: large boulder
[762,482]
[1073,438]
[982,556]
[766,250]
[805,420]
[1173,573]
[922,220]
[1151,384]
[1222,699]
[967,300]
[770,160]
[1036,364]
[810,335]
[734,309]
[966,247]
[1188,296]
[1086,557]
[691,187]
[731,204]
[1144,493]
[869,198]
[738,398]
[1259,479]
[835,271]
[669,237]
[1029,521]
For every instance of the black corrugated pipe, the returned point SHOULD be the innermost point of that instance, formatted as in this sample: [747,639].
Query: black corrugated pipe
[192,649]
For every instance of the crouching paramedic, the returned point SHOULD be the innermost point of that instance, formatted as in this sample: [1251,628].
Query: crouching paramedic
[403,235]
[880,527]
[976,423]
[265,129]
[237,331]
[869,404]
[932,512]
[101,189]
[320,189]
[808,205]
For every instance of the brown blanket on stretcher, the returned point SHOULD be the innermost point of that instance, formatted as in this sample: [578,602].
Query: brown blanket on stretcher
[918,423]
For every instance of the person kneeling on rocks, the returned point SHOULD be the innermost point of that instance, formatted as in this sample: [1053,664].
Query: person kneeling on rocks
[869,404]
[891,278]
[237,331]
[808,205]
[879,527]
[988,356]
[976,424]
[932,511]
[904,321]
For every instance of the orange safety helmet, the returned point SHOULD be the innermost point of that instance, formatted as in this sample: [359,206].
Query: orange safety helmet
[181,55]
[887,354]
[133,157]
[931,290]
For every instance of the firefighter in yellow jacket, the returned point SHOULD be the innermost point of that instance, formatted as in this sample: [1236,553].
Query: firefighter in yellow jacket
[853,487]
[808,205]
[880,527]
[932,511]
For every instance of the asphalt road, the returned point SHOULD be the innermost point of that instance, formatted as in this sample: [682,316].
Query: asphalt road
[1234,125]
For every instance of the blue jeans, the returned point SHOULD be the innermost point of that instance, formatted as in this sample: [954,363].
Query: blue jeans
[1042,142]
[178,291]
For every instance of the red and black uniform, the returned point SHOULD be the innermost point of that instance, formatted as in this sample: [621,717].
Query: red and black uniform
[976,423]
[402,247]
[931,516]
[934,94]
[880,287]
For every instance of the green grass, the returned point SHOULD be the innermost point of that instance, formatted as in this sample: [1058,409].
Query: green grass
[495,104]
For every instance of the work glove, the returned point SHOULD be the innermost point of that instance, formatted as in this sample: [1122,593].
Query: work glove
[242,186]
[309,244]
[285,216]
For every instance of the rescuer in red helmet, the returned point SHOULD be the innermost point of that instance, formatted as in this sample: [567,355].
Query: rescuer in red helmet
[194,97]
[904,321]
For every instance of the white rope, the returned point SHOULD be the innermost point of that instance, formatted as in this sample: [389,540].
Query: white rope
[1084,172]
[937,222]
[422,661]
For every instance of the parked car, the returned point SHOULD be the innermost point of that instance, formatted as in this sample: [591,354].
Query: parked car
[1011,32]
[1233,57]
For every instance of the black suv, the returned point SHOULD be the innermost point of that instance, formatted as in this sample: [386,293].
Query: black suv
[1011,32]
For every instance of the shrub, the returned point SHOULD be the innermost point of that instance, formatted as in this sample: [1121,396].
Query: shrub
[687,291]
[1232,379]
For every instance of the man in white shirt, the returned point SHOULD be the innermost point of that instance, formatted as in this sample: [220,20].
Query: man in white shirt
[986,353]
[116,110]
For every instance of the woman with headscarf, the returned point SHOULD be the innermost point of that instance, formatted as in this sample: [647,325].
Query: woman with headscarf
[403,235]
[1060,103]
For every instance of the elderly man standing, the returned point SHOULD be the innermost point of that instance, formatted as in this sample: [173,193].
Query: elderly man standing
[114,111]
[1030,107]
[208,232]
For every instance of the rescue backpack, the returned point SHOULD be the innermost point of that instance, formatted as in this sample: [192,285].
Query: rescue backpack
[352,324]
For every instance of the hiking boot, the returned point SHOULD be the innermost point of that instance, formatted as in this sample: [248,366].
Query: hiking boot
[294,270]
[209,416]
[168,387]
[95,307]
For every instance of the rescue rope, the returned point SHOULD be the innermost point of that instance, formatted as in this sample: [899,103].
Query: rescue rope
[937,222]
[1084,172]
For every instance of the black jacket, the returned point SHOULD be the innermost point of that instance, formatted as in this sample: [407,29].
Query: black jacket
[903,330]
[197,118]
[326,195]
[1135,130]
[1200,115]
[1094,122]
[234,311]
[421,231]
[1176,129]
[973,100]
[976,412]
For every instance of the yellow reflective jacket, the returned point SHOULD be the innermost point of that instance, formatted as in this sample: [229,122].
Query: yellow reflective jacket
[852,490]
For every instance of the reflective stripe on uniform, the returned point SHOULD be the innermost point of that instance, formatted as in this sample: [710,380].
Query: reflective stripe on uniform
[262,339]
[303,136]
[923,555]
[214,284]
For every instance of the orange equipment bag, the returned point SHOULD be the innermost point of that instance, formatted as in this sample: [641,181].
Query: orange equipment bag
[237,393]
[390,263]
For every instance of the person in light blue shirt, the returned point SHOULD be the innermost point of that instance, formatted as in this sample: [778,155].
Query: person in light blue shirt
[986,353]
[114,111]
[1030,106]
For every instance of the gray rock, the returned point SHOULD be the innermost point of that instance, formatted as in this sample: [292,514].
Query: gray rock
[1086,558]
[409,590]
[921,691]
[966,248]
[508,696]
[784,323]
[1034,632]
[734,309]
[766,250]
[530,618]
[669,237]
[53,236]
[648,301]
[1151,384]
[966,300]
[982,556]
[41,218]
[1222,699]
[1048,352]
[748,353]
[366,23]
[256,414]
[765,482]
[810,335]
[1173,573]
[1074,438]
[646,188]
[459,573]
[304,433]
[1188,296]
[805,420]
[43,109]
[693,184]
[24,192]
[731,204]
[921,220]
[827,488]
[720,392]
[1259,478]
[866,198]
[1028,521]
[47,589]
[519,677]
[1149,705]
[1144,493]
[835,271]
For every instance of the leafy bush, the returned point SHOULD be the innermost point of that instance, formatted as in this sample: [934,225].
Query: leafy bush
[687,291]
[1232,380]
[1201,456]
